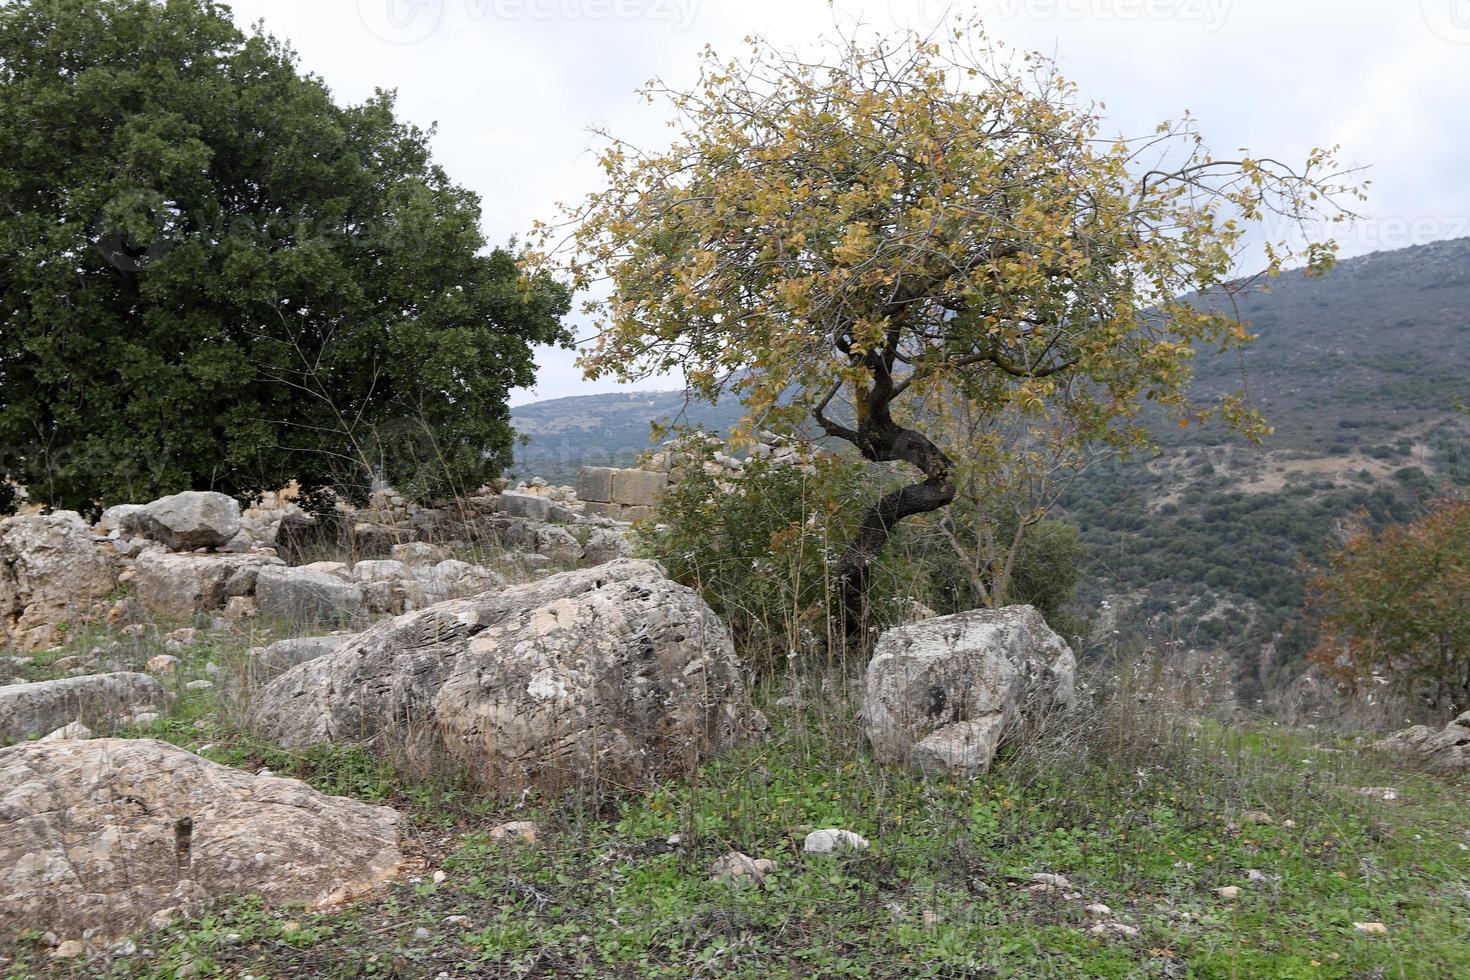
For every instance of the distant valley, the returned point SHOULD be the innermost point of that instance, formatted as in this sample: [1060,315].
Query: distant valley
[1362,373]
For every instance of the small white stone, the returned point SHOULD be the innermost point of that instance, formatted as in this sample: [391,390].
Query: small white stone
[1098,909]
[1371,928]
[1228,892]
[73,730]
[833,839]
[1114,929]
[69,949]
[439,877]
[421,933]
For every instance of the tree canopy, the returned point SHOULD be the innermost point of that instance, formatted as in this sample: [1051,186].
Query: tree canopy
[213,276]
[1395,605]
[864,238]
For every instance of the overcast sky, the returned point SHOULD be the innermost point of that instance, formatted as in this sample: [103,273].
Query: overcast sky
[514,85]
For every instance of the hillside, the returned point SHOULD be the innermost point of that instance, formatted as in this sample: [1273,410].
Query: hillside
[1377,346]
[565,434]
[1360,372]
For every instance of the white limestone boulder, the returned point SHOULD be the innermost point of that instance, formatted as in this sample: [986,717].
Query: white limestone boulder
[602,676]
[52,573]
[942,693]
[188,520]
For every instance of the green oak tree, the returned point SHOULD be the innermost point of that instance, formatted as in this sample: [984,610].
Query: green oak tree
[213,276]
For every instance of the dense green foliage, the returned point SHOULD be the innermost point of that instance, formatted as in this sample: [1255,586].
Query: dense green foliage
[212,276]
[1216,538]
[1046,570]
[760,547]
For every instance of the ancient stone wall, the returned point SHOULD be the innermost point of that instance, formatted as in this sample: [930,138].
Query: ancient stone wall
[621,494]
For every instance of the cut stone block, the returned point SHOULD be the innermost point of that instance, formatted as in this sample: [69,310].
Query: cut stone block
[594,483]
[638,488]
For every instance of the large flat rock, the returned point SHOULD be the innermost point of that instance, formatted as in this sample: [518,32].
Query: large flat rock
[104,837]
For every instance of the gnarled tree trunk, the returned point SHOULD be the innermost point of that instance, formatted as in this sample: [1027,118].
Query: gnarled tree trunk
[880,439]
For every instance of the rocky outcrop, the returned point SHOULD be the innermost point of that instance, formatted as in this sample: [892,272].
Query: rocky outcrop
[449,579]
[104,837]
[271,661]
[185,521]
[180,585]
[101,701]
[598,676]
[306,595]
[264,664]
[419,553]
[51,573]
[943,692]
[1445,748]
[605,545]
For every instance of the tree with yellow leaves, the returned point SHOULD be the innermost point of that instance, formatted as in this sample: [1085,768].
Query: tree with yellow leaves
[909,223]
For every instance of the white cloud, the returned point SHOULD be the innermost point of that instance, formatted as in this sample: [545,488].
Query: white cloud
[515,84]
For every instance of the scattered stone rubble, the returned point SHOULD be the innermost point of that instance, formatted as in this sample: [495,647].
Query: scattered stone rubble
[1446,748]
[197,553]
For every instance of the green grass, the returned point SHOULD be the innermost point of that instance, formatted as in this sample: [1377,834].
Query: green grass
[1143,811]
